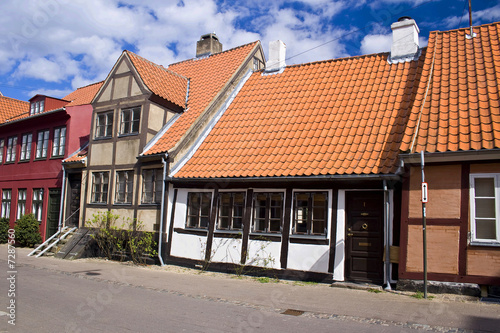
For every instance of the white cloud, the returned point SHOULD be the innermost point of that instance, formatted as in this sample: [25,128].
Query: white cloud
[57,93]
[376,44]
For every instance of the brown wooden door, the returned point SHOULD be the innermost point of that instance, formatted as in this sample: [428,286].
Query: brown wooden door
[75,184]
[364,237]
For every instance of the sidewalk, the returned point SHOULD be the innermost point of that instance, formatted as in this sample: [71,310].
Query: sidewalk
[319,300]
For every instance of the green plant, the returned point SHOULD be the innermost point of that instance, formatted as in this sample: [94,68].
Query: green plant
[420,295]
[121,240]
[27,231]
[266,279]
[375,291]
[4,229]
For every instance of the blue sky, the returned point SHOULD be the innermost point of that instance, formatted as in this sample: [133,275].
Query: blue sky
[53,47]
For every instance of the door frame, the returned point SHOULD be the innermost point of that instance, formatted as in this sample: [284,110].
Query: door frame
[340,241]
[47,226]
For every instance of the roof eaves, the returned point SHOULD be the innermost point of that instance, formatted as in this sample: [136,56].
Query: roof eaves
[7,122]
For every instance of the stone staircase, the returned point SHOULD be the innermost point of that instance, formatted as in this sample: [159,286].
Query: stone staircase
[54,243]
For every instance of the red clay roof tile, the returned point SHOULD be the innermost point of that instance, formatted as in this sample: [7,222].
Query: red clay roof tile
[463,93]
[343,134]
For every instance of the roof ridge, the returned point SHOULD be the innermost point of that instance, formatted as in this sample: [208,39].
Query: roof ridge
[343,58]
[15,99]
[466,28]
[214,54]
[88,85]
[156,65]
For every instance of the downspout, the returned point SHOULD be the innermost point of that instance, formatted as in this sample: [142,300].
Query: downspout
[387,238]
[162,210]
[63,191]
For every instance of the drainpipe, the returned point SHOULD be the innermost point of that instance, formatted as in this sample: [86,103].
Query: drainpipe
[387,238]
[163,190]
[63,191]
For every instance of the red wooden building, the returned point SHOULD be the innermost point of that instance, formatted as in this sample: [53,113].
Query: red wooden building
[35,137]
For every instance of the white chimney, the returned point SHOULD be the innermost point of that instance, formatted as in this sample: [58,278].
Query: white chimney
[404,40]
[277,54]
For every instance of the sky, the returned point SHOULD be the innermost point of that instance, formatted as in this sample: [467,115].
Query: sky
[53,47]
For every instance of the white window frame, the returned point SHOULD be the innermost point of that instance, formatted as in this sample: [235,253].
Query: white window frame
[124,187]
[2,144]
[283,209]
[478,241]
[59,141]
[152,185]
[134,118]
[11,149]
[42,144]
[104,125]
[6,203]
[101,187]
[27,139]
[37,203]
[310,219]
[198,214]
[21,202]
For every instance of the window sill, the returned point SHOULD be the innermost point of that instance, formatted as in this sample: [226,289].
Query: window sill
[23,161]
[128,134]
[193,231]
[103,138]
[309,239]
[122,204]
[484,244]
[56,157]
[38,159]
[266,237]
[238,234]
[147,204]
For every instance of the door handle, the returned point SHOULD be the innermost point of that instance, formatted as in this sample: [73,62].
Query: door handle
[350,234]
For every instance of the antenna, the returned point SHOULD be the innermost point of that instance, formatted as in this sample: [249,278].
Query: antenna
[472,34]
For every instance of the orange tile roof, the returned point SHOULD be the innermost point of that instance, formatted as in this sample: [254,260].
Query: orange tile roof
[83,95]
[78,157]
[161,81]
[461,111]
[335,117]
[11,108]
[207,77]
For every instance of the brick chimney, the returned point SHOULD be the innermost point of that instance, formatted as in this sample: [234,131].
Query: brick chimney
[405,45]
[207,45]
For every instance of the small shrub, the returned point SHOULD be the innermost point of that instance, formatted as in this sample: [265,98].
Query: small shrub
[27,231]
[4,230]
[127,238]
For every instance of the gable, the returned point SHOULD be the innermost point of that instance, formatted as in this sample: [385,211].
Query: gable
[122,82]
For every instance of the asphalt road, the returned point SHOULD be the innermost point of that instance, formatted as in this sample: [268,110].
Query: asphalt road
[57,301]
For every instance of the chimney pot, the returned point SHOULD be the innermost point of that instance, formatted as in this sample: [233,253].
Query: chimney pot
[207,45]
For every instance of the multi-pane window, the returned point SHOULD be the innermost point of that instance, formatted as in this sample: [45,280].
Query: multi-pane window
[37,203]
[100,182]
[59,141]
[198,210]
[37,107]
[26,147]
[268,212]
[130,119]
[42,144]
[231,207]
[6,201]
[124,186]
[11,149]
[151,185]
[310,213]
[104,125]
[21,203]
[2,143]
[485,208]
